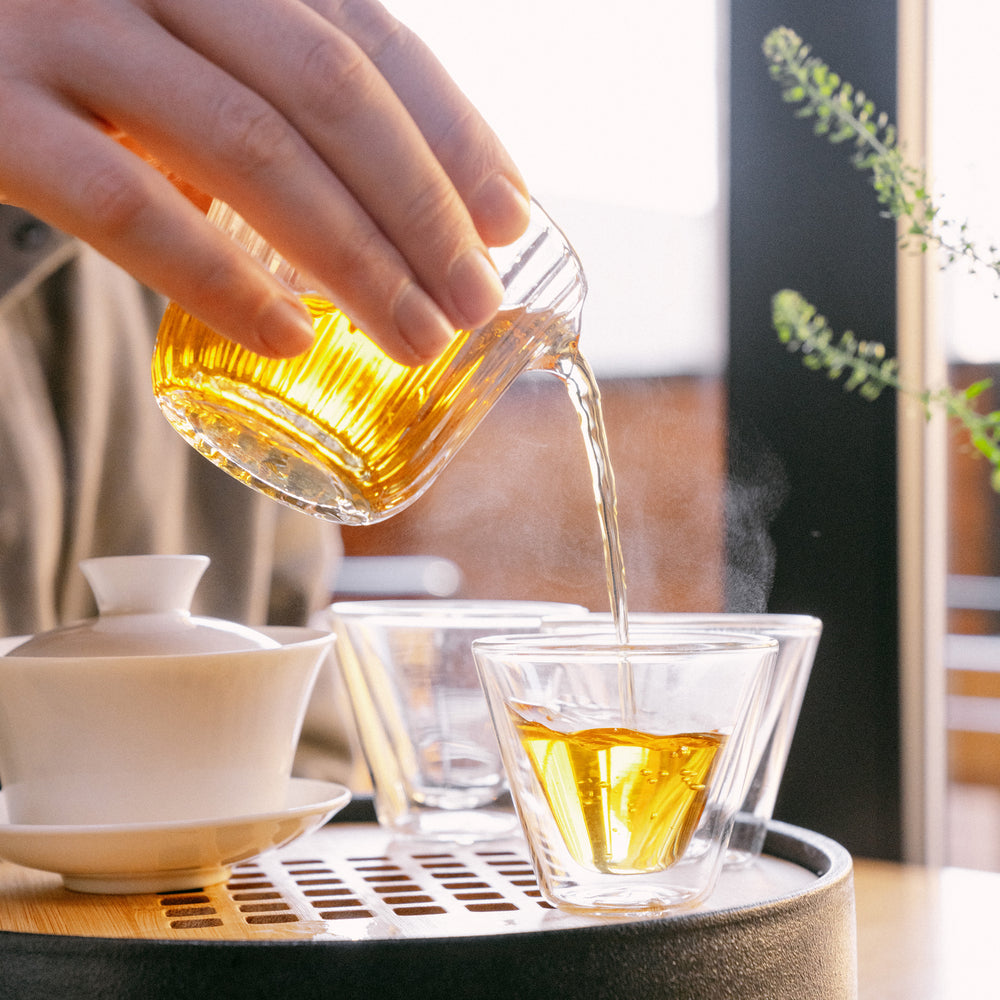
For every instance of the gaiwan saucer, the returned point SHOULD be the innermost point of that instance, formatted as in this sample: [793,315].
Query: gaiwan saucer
[166,857]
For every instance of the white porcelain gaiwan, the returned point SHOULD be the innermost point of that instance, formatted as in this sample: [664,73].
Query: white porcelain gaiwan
[148,714]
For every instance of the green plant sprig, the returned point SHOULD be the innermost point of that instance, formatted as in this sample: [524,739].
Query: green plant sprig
[867,368]
[846,115]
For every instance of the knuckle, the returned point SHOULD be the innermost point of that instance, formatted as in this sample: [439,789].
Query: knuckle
[224,293]
[383,36]
[435,213]
[254,138]
[115,199]
[223,274]
[376,29]
[364,271]
[360,263]
[337,77]
[462,139]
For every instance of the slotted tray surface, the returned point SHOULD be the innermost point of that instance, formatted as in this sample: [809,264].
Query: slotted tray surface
[348,912]
[347,881]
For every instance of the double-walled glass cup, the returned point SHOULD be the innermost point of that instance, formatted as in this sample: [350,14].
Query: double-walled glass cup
[343,431]
[627,762]
[421,716]
[798,638]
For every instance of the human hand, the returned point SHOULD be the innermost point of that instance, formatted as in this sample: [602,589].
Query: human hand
[325,123]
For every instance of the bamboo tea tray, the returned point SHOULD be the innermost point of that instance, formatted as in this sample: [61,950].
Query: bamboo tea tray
[349,912]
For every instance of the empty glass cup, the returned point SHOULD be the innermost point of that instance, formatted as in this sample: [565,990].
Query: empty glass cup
[421,716]
[343,431]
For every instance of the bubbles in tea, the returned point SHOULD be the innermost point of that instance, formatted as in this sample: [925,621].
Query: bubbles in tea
[624,801]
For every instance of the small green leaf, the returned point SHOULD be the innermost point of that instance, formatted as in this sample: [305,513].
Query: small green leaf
[977,388]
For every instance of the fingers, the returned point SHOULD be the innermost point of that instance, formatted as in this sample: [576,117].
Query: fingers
[323,83]
[226,139]
[114,201]
[329,127]
[482,171]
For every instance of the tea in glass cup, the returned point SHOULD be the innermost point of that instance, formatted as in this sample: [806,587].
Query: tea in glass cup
[627,762]
[798,638]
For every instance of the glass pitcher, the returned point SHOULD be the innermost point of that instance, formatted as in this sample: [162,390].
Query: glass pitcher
[343,431]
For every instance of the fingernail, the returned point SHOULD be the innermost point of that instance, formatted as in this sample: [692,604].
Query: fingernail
[286,327]
[421,324]
[476,288]
[500,209]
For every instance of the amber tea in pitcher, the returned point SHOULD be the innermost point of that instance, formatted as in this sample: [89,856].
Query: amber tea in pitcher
[343,431]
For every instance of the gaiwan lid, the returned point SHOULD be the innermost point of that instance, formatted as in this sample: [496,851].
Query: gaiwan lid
[144,610]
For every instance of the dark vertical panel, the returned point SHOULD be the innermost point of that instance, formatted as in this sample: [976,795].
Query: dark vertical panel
[802,217]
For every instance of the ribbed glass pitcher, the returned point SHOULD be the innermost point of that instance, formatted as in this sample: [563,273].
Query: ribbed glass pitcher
[343,431]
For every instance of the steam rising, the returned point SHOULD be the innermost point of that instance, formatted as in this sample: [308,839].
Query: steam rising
[756,490]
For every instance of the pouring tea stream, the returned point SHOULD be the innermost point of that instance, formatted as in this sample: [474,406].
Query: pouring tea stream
[343,432]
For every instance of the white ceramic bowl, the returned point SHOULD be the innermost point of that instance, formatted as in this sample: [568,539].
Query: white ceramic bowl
[153,738]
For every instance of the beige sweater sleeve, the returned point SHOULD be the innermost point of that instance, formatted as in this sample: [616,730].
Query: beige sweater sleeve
[91,467]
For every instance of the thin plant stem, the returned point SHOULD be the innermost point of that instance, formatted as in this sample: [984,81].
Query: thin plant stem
[845,115]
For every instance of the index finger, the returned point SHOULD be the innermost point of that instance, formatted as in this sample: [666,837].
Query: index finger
[324,82]
[478,164]
[227,138]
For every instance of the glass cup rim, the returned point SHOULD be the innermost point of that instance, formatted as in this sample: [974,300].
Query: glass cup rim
[453,613]
[774,623]
[648,644]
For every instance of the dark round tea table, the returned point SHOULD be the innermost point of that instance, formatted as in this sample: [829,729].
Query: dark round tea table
[348,913]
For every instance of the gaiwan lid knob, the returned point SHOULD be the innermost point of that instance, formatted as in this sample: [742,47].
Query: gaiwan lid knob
[143,607]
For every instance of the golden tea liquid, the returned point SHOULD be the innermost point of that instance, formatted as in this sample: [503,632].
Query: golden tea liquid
[623,801]
[586,399]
